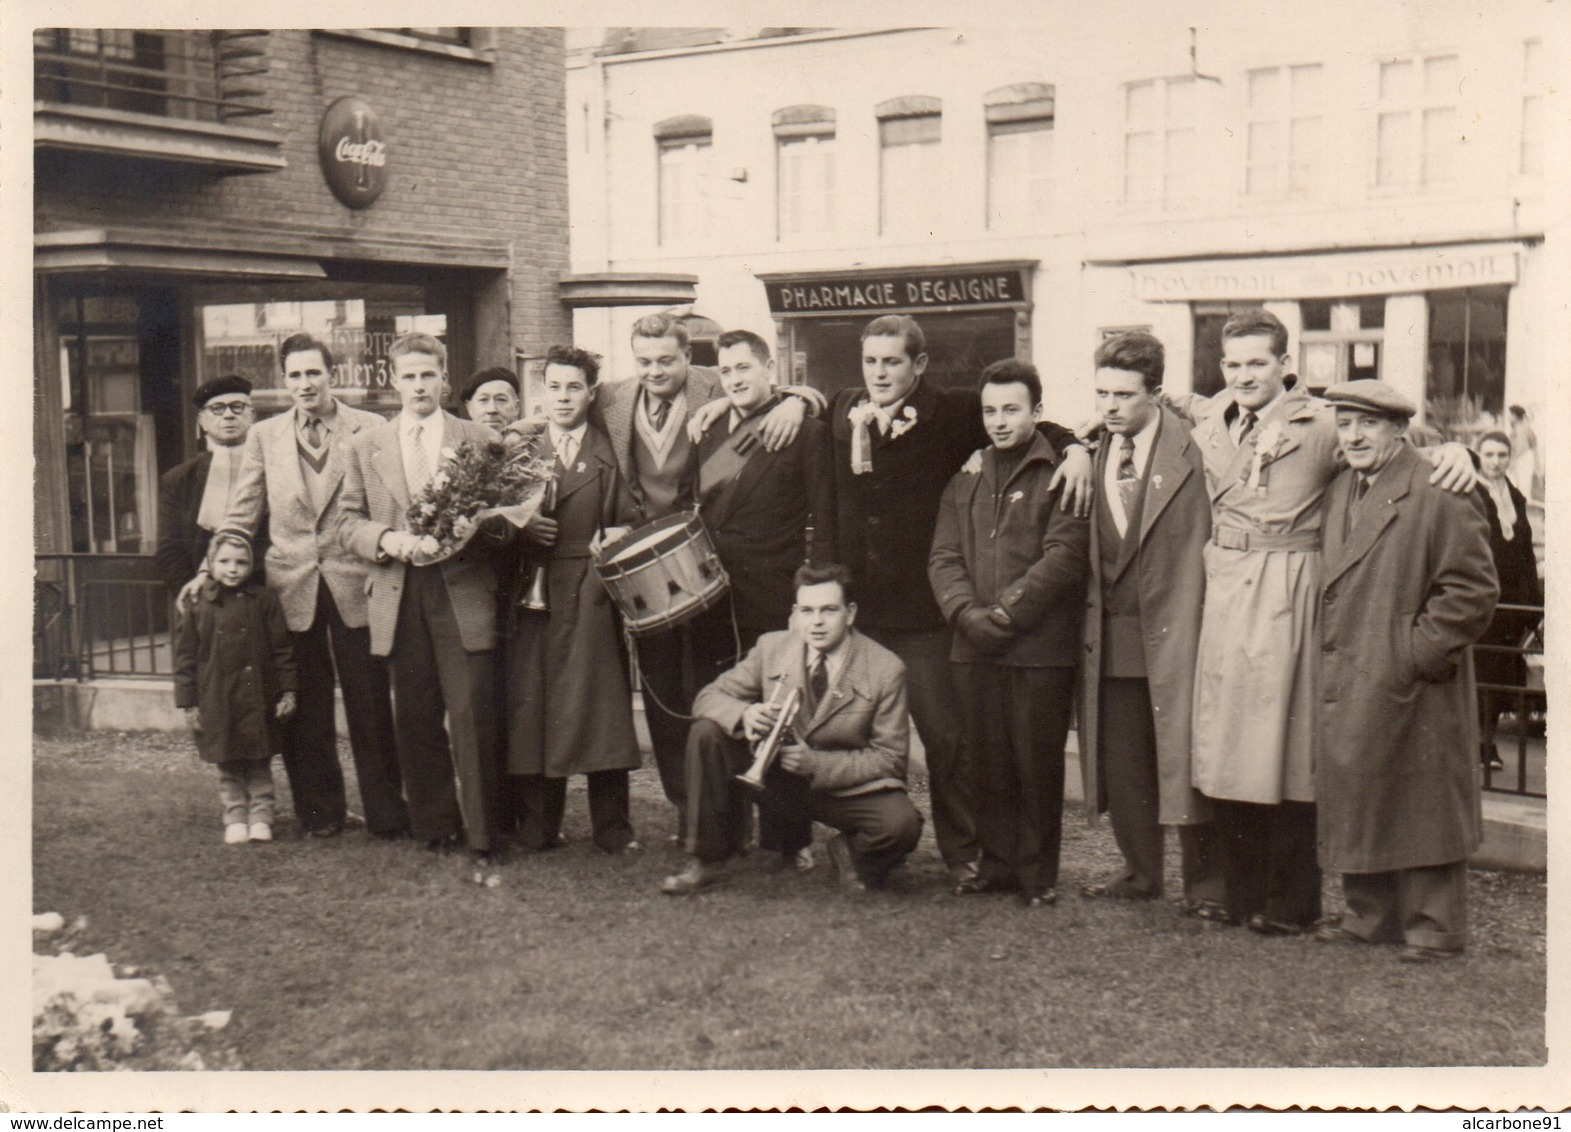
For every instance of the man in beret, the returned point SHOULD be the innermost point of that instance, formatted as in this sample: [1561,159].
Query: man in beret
[1409,584]
[491,398]
[193,497]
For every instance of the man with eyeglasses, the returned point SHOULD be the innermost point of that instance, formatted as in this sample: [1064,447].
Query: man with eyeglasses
[194,497]
[293,474]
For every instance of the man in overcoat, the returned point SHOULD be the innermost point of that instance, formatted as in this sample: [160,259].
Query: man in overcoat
[1008,568]
[647,421]
[435,624]
[1151,520]
[292,479]
[843,762]
[1409,585]
[193,497]
[569,709]
[897,442]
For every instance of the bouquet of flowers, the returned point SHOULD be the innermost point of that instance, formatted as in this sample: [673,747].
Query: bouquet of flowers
[475,481]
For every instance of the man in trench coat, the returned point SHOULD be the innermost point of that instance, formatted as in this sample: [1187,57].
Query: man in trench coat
[1409,584]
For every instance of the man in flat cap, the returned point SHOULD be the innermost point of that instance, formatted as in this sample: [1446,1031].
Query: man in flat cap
[491,398]
[1409,584]
[193,497]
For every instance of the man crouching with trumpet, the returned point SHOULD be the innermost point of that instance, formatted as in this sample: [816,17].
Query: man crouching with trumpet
[841,760]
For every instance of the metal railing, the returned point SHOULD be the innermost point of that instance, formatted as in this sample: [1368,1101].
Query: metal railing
[210,76]
[1528,703]
[91,621]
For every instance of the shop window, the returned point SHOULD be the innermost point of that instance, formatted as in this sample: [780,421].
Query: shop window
[1340,340]
[827,352]
[805,170]
[119,354]
[1283,131]
[1161,142]
[244,338]
[1019,154]
[1531,158]
[1418,133]
[910,172]
[1464,391]
[684,146]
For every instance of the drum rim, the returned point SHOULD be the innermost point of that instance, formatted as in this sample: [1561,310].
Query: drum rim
[610,564]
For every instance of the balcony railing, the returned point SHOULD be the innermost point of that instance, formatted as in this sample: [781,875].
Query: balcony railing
[207,76]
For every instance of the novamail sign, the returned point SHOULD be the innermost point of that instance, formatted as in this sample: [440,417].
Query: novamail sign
[904,291]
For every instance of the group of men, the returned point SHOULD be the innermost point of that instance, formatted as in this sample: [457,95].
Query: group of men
[1264,599]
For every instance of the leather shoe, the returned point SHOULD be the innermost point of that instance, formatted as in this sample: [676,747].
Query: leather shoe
[1261,924]
[331,829]
[985,886]
[1113,890]
[1412,953]
[695,877]
[1038,898]
[1209,911]
[1333,932]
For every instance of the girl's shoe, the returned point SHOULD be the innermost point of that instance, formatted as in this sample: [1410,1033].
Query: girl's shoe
[261,831]
[236,833]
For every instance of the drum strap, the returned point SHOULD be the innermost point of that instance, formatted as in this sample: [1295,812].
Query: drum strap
[719,472]
[638,676]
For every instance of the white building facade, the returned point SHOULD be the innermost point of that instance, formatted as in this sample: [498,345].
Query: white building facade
[1026,191]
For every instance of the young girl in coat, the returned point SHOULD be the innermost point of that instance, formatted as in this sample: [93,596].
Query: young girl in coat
[235,678]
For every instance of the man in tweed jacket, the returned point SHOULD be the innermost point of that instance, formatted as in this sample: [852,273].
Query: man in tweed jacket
[436,624]
[292,476]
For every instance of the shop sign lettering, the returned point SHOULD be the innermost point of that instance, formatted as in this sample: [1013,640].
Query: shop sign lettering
[1330,275]
[901,292]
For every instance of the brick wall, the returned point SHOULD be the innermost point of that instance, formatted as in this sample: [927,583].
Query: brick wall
[477,157]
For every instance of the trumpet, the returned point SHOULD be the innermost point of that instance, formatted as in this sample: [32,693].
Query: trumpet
[537,597]
[767,748]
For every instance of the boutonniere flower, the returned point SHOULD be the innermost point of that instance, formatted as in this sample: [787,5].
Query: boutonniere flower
[903,424]
[1268,444]
[1156,481]
[1016,496]
[580,468]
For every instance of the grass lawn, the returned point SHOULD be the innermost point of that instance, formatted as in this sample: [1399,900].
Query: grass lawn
[357,954]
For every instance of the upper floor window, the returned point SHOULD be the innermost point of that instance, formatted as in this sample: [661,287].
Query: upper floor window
[210,76]
[1019,154]
[684,146]
[1161,141]
[805,169]
[1418,133]
[1531,158]
[910,190]
[1283,131]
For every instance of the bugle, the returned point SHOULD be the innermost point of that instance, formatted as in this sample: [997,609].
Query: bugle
[538,596]
[767,748]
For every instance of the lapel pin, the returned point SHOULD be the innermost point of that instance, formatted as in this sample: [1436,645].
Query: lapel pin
[1016,496]
[1156,481]
[580,468]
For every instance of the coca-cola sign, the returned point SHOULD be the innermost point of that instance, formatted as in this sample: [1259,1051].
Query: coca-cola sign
[352,152]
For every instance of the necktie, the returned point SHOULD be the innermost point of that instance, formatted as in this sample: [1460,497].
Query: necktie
[419,469]
[313,432]
[566,449]
[1128,478]
[1360,487]
[659,413]
[818,680]
[1246,425]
